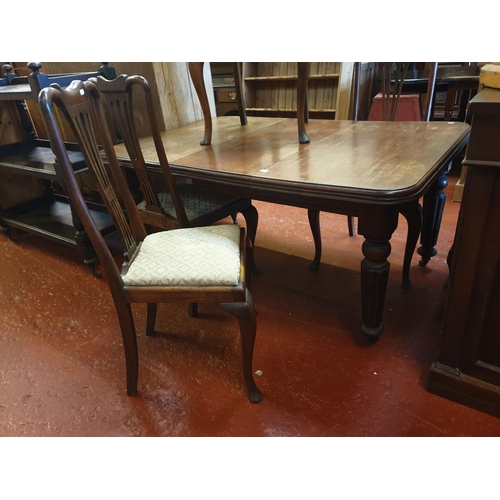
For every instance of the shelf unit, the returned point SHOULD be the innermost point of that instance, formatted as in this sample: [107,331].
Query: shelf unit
[270,89]
[224,90]
[49,213]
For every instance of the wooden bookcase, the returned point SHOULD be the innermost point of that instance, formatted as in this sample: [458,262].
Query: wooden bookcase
[270,89]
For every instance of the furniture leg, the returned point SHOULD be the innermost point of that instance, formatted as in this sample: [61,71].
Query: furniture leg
[316,232]
[412,212]
[239,93]
[25,120]
[193,310]
[196,72]
[83,243]
[376,224]
[464,100]
[151,319]
[251,216]
[450,101]
[303,69]
[434,201]
[129,337]
[350,225]
[244,312]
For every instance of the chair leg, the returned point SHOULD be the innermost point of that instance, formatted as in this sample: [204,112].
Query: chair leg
[316,232]
[412,212]
[252,219]
[151,319]
[350,225]
[244,312]
[127,327]
[193,309]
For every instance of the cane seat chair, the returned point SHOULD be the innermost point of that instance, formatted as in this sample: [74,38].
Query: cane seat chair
[202,264]
[392,77]
[200,206]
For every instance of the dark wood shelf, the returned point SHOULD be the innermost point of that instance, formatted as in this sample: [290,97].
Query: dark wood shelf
[36,158]
[51,218]
[274,78]
[288,110]
[50,215]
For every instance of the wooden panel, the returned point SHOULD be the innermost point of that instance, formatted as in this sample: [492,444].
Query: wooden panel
[481,337]
[178,100]
[468,365]
[10,125]
[15,189]
[344,91]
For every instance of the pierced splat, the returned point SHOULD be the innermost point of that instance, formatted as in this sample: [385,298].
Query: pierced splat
[79,116]
[392,76]
[163,261]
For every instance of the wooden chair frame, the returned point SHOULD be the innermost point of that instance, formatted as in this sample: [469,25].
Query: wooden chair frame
[82,107]
[119,95]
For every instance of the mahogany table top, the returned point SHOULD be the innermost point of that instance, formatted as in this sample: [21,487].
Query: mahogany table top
[382,162]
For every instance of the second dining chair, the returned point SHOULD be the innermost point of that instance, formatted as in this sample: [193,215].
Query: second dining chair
[159,209]
[202,264]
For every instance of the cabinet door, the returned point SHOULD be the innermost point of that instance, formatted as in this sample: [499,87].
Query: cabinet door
[478,276]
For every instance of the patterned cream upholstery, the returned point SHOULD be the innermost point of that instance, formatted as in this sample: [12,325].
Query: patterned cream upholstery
[201,256]
[197,202]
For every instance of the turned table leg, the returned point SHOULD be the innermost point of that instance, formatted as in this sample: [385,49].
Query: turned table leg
[376,224]
[434,201]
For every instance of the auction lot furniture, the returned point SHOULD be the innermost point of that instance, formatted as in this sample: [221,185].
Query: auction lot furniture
[48,212]
[467,369]
[364,169]
[203,264]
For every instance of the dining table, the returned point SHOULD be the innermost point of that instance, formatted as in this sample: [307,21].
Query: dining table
[359,168]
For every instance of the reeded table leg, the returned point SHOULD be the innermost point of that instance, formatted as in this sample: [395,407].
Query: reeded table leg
[434,201]
[376,224]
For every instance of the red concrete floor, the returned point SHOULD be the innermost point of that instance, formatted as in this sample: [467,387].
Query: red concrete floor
[62,370]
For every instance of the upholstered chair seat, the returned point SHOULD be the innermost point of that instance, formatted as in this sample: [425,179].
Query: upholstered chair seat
[198,256]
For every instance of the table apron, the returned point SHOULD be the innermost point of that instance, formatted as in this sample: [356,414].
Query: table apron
[311,196]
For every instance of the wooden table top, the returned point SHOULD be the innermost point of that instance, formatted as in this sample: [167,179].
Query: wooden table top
[387,162]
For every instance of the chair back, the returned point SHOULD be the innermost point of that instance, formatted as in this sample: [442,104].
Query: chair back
[81,106]
[392,76]
[119,94]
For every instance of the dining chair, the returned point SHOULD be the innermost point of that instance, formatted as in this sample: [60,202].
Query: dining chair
[194,264]
[391,82]
[197,206]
